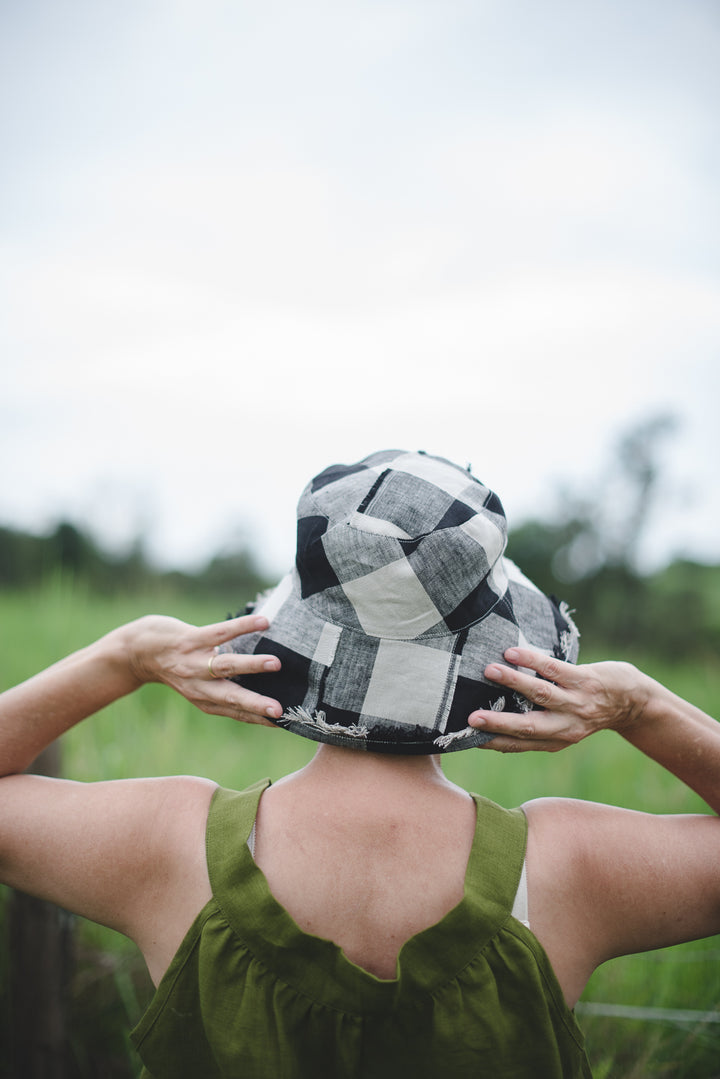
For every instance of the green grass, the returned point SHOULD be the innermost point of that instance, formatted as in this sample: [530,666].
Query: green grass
[155,733]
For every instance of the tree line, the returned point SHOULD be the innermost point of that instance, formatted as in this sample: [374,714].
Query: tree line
[589,554]
[69,551]
[586,552]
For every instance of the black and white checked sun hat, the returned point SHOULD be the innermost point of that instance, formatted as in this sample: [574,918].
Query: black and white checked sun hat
[399,598]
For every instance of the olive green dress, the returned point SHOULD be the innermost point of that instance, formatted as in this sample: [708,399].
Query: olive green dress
[248,994]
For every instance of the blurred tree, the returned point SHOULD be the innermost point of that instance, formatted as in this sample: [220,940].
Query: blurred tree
[587,552]
[72,549]
[605,524]
[589,556]
[27,561]
[21,557]
[637,454]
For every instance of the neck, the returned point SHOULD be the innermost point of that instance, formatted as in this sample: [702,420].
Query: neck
[351,769]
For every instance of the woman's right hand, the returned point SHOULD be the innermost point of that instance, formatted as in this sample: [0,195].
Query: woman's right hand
[186,658]
[574,701]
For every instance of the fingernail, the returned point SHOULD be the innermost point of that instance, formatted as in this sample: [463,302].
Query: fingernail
[271,665]
[273,711]
[476,721]
[512,655]
[493,672]
[261,622]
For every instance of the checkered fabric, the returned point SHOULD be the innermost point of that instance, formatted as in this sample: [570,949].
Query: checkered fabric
[399,598]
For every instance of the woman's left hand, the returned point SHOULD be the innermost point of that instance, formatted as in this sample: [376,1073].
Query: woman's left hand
[574,701]
[186,658]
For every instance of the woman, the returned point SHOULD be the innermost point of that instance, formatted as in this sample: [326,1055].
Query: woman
[366,916]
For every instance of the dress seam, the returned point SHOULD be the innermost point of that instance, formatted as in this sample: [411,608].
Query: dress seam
[280,978]
[164,990]
[561,1007]
[430,993]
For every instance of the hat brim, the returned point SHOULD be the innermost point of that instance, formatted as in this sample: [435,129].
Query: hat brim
[342,686]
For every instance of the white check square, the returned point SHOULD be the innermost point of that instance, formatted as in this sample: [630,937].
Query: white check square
[398,670]
[391,602]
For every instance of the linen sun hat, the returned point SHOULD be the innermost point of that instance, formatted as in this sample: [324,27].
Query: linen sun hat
[399,598]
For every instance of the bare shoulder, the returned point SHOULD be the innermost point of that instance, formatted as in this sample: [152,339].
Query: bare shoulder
[606,881]
[85,846]
[600,839]
[177,801]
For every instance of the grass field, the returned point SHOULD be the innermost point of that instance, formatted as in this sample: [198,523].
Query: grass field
[155,732]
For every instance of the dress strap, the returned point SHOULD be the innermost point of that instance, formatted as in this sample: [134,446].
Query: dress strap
[498,854]
[230,821]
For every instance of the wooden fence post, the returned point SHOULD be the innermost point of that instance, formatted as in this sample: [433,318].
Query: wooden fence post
[40,967]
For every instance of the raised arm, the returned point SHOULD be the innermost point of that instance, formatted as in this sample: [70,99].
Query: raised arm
[580,700]
[129,854]
[150,649]
[605,881]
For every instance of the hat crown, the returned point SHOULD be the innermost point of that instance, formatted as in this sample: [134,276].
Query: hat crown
[401,545]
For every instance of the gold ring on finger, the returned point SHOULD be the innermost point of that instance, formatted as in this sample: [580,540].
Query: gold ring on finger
[210,666]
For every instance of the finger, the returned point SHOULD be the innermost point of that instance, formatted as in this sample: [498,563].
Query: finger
[538,690]
[503,744]
[513,732]
[220,632]
[235,665]
[239,715]
[537,727]
[237,702]
[548,667]
[516,725]
[262,710]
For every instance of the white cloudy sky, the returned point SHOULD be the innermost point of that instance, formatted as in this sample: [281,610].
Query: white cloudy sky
[242,240]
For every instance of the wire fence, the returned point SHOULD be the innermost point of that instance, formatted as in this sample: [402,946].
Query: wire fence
[653,1015]
[681,1016]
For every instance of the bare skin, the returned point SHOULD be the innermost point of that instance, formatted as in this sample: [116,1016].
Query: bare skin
[131,854]
[366,850]
[604,881]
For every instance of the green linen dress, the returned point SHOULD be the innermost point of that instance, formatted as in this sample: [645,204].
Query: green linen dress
[249,994]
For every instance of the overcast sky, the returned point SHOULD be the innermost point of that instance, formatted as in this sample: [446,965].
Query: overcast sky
[241,241]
